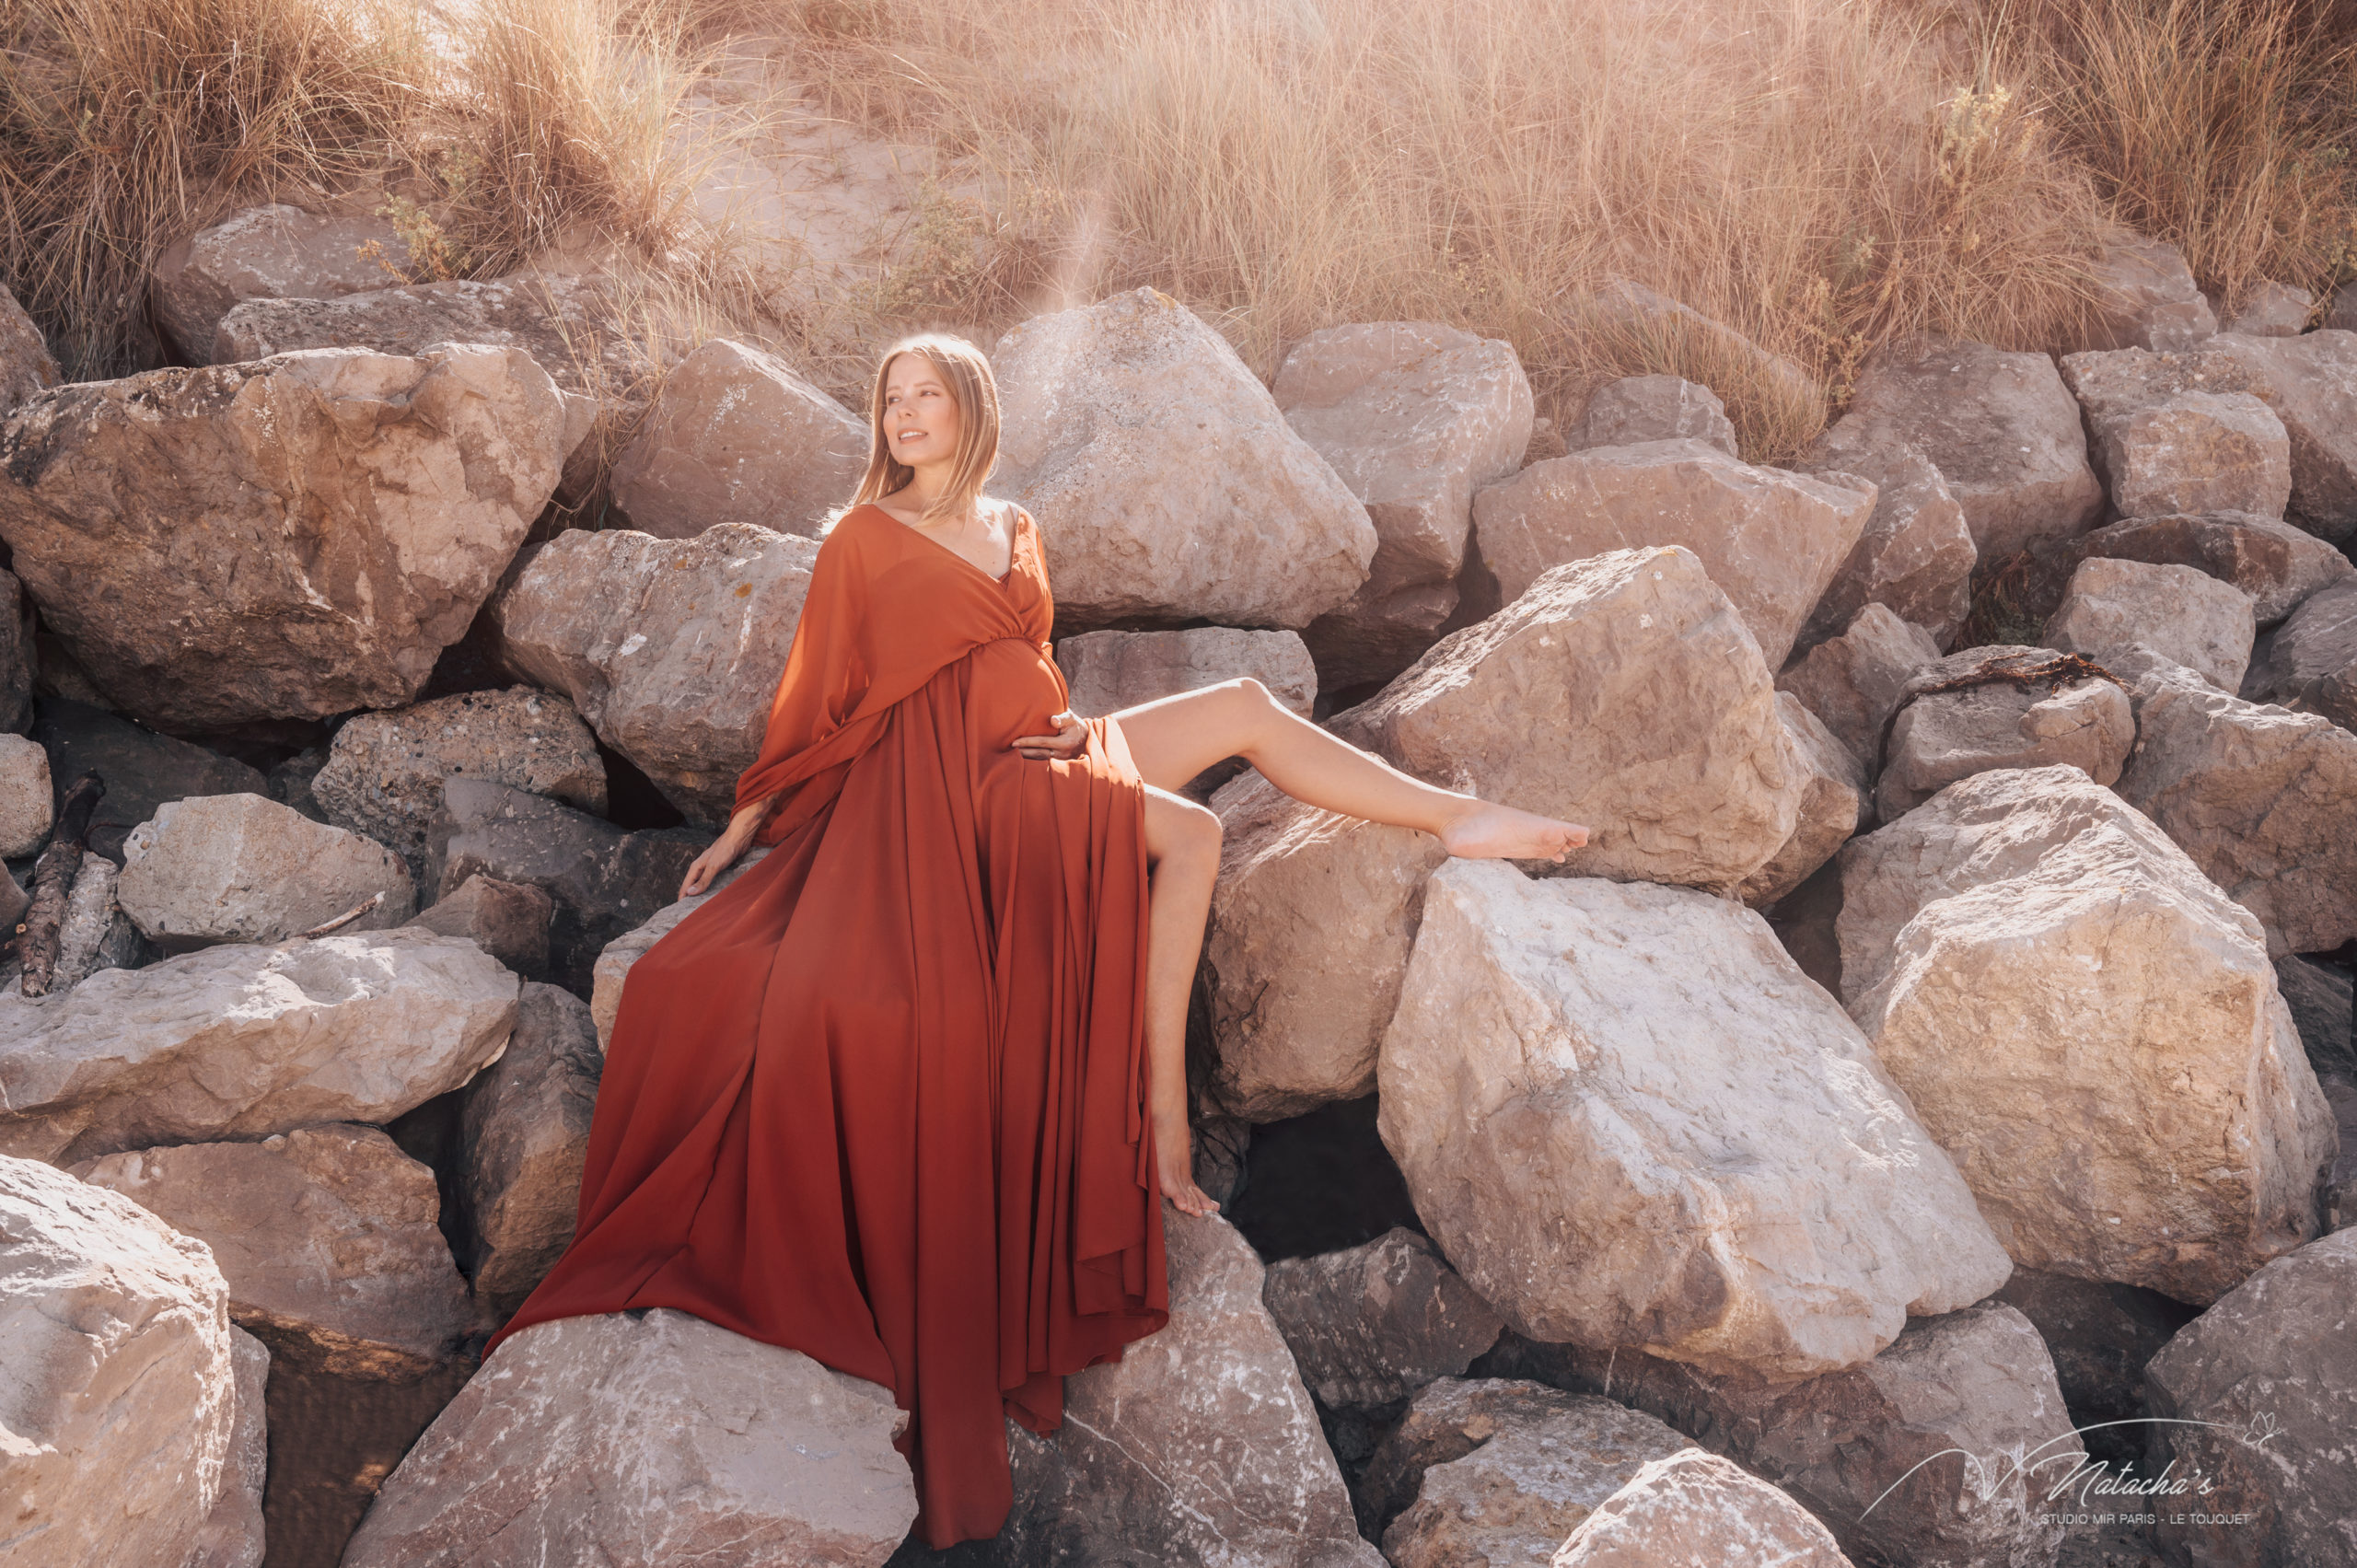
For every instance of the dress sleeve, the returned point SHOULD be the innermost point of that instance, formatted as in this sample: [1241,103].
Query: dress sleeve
[819,693]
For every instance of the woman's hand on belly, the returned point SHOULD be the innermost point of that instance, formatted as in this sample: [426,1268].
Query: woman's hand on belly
[1071,737]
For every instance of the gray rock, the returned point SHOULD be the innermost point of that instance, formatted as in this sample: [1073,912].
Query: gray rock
[2310,662]
[1373,1323]
[506,920]
[241,1042]
[2181,612]
[1653,408]
[141,769]
[613,968]
[268,252]
[327,1235]
[1834,804]
[289,538]
[2261,1395]
[383,776]
[1697,1507]
[25,365]
[1110,670]
[1853,682]
[735,1455]
[2274,310]
[603,881]
[28,806]
[1940,736]
[232,1535]
[2311,383]
[2277,565]
[2181,433]
[289,783]
[524,1136]
[244,868]
[1915,554]
[2147,295]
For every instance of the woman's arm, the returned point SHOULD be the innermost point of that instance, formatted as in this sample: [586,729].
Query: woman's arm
[723,850]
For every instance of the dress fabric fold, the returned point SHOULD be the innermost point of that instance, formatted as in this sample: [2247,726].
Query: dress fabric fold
[882,1099]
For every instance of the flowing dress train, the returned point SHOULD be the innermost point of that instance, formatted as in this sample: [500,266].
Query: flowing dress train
[882,1099]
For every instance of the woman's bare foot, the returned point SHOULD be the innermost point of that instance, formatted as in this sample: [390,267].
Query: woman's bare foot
[1174,1158]
[1488,831]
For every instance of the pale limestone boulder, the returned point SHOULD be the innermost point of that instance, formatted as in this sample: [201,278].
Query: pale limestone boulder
[1502,1472]
[241,1042]
[2274,310]
[2179,433]
[1107,671]
[118,1386]
[1834,804]
[2256,796]
[1414,417]
[2310,662]
[1653,408]
[646,1440]
[1373,1323]
[268,252]
[2002,428]
[1771,540]
[25,364]
[2180,613]
[2027,939]
[613,968]
[327,1237]
[1760,1199]
[27,801]
[507,920]
[1915,554]
[1940,736]
[1853,682]
[1313,913]
[2277,565]
[384,773]
[1198,1448]
[2311,383]
[1168,484]
[1942,1448]
[2147,295]
[244,868]
[289,538]
[736,436]
[1696,1508]
[232,1535]
[2261,1395]
[671,648]
[523,1138]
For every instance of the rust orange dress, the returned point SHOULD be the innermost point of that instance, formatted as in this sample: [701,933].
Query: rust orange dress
[883,1098]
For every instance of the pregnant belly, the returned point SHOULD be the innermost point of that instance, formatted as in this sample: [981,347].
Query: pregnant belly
[1015,689]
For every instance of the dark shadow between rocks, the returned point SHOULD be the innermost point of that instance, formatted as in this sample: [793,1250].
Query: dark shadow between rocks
[1318,1183]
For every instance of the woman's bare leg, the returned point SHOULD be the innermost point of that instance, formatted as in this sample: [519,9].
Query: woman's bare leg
[1182,846]
[1174,738]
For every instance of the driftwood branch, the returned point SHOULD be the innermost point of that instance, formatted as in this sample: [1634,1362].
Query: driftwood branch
[53,876]
[2053,672]
[347,918]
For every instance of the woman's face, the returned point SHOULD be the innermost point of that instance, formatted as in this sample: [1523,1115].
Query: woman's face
[921,421]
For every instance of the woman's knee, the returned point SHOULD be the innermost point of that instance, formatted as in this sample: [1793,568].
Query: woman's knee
[1178,828]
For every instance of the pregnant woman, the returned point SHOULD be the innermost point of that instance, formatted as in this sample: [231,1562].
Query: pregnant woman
[908,1093]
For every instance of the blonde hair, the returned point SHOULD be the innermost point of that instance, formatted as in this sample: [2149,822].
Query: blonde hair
[967,374]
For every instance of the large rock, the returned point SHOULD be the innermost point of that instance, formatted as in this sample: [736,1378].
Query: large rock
[736,436]
[1945,1448]
[1945,731]
[640,1440]
[1834,802]
[671,648]
[2178,433]
[2025,940]
[602,879]
[1760,1199]
[2181,612]
[2273,310]
[1415,417]
[1771,540]
[25,364]
[2310,664]
[293,537]
[384,773]
[612,968]
[506,920]
[1108,671]
[28,806]
[2311,383]
[1198,1448]
[524,1136]
[1853,682]
[1653,408]
[1495,1470]
[2277,565]
[1915,554]
[2002,428]
[1314,913]
[141,769]
[232,1535]
[2258,796]
[242,1043]
[1167,486]
[1696,1507]
[244,868]
[2146,295]
[2260,1395]
[1373,1323]
[118,1387]
[268,252]
[327,1237]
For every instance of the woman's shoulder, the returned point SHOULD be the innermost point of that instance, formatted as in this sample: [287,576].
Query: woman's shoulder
[1008,511]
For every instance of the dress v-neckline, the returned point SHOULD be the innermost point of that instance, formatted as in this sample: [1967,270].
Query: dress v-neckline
[1014,546]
